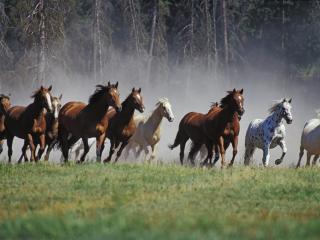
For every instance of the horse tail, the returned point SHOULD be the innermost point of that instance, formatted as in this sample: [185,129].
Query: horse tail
[179,138]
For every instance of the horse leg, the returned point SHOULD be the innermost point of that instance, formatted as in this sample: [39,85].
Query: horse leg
[42,139]
[99,142]
[283,146]
[153,152]
[300,156]
[1,145]
[194,149]
[308,159]
[63,139]
[266,155]
[123,145]
[216,154]
[9,144]
[209,146]
[315,158]
[234,143]
[49,149]
[23,151]
[248,154]
[222,150]
[86,149]
[111,151]
[32,147]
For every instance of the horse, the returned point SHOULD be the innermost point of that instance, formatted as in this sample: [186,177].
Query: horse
[310,141]
[208,128]
[122,125]
[4,106]
[29,122]
[51,128]
[79,120]
[268,133]
[149,129]
[231,135]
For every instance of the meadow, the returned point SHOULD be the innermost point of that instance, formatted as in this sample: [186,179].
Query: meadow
[125,201]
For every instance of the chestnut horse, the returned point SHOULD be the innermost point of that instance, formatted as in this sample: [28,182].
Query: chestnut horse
[122,125]
[51,129]
[4,106]
[208,128]
[29,122]
[79,120]
[230,135]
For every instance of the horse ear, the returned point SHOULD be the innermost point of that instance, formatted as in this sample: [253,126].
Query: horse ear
[9,95]
[234,90]
[283,100]
[108,84]
[41,88]
[133,89]
[50,88]
[60,97]
[116,85]
[139,90]
[241,91]
[290,100]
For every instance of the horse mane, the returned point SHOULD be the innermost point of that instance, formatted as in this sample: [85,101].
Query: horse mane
[36,94]
[225,101]
[274,107]
[98,93]
[125,102]
[4,96]
[162,100]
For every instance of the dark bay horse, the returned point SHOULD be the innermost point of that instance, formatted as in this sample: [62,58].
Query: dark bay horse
[4,106]
[121,124]
[51,129]
[208,128]
[231,135]
[29,122]
[79,120]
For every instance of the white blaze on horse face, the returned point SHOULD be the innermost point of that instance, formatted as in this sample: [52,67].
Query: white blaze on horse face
[48,97]
[169,110]
[288,107]
[240,101]
[55,109]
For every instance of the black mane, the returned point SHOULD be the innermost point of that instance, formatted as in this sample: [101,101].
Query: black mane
[98,93]
[226,100]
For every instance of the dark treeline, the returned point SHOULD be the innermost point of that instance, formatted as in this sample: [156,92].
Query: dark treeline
[94,38]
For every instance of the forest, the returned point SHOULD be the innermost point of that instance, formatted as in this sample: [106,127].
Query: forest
[149,40]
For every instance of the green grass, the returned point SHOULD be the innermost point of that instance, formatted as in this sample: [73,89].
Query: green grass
[141,201]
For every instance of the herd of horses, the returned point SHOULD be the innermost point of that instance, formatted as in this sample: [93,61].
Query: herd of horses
[48,124]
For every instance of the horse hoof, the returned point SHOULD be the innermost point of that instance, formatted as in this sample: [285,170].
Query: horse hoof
[278,161]
[78,162]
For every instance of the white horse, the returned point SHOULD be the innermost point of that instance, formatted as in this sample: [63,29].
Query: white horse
[268,133]
[310,141]
[148,130]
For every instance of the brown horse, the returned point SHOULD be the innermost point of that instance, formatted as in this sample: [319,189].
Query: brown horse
[208,128]
[231,134]
[29,122]
[80,120]
[121,125]
[4,106]
[51,129]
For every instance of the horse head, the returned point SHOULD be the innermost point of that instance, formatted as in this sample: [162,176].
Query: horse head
[235,100]
[137,99]
[43,98]
[285,109]
[56,105]
[165,108]
[4,103]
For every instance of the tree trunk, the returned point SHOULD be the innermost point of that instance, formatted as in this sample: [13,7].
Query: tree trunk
[189,78]
[152,38]
[42,48]
[225,37]
[214,25]
[208,34]
[97,51]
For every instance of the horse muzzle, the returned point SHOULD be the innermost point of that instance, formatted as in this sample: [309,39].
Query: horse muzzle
[289,121]
[170,119]
[241,111]
[141,109]
[118,109]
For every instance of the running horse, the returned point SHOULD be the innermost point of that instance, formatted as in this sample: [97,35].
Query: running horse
[4,106]
[51,129]
[29,122]
[122,125]
[231,135]
[79,120]
[208,128]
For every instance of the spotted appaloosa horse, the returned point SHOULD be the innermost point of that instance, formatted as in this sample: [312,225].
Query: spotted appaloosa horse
[4,106]
[208,128]
[268,133]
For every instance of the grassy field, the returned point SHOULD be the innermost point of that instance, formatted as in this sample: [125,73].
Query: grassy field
[144,201]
